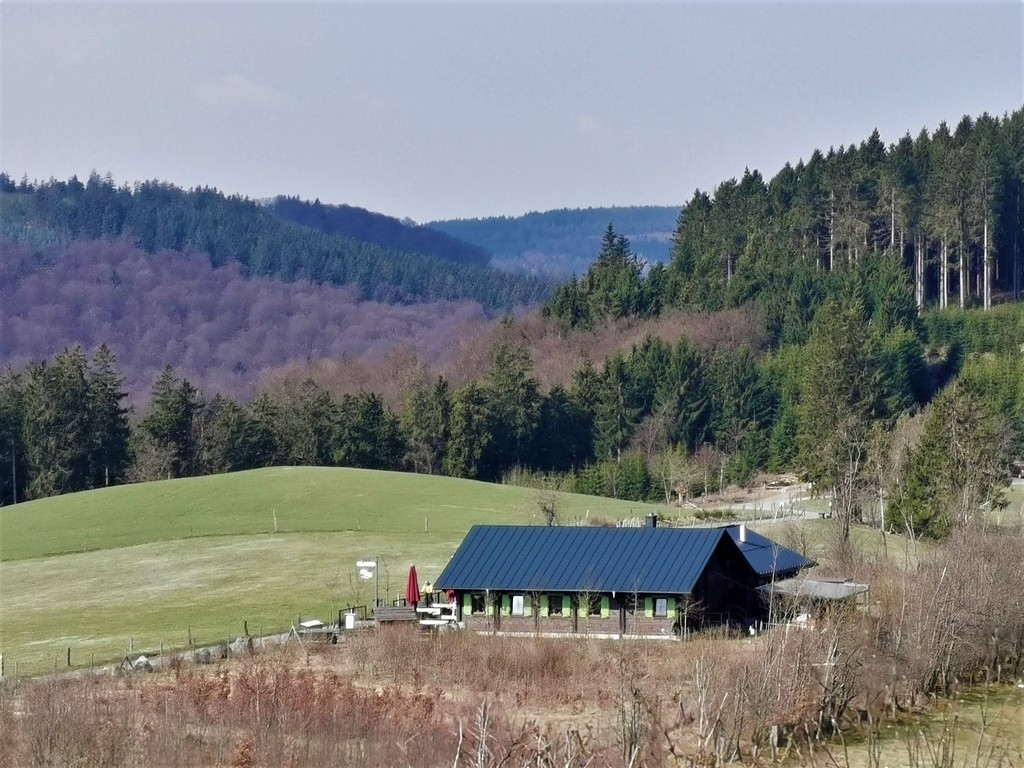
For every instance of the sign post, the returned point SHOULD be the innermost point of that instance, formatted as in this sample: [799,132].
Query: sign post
[367,569]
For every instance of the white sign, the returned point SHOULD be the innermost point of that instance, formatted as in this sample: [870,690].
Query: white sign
[367,569]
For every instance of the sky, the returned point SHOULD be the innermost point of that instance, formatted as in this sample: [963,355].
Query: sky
[433,110]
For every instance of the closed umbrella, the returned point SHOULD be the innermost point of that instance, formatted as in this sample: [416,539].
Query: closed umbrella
[412,589]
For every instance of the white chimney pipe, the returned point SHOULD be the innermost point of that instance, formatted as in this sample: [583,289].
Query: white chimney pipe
[743,533]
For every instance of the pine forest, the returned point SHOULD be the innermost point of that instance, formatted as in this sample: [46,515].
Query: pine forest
[873,343]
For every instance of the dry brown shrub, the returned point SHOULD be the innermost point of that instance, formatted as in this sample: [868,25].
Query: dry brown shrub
[243,755]
[8,726]
[406,697]
[557,353]
[599,521]
[463,352]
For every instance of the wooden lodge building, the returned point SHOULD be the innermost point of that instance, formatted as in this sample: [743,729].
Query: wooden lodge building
[647,581]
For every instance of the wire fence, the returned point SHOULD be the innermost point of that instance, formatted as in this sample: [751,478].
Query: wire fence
[201,647]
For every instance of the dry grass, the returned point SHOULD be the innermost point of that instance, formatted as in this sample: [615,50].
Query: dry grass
[826,695]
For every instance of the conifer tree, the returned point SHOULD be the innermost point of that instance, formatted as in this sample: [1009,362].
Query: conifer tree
[959,468]
[839,396]
[426,424]
[471,432]
[58,430]
[169,425]
[110,455]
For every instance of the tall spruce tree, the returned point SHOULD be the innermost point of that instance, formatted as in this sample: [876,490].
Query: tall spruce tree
[514,403]
[169,426]
[425,421]
[959,468]
[471,432]
[58,430]
[12,433]
[839,400]
[110,455]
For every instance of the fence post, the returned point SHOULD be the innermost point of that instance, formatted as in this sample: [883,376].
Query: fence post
[69,655]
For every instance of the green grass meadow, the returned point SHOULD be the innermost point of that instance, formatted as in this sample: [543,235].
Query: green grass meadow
[145,564]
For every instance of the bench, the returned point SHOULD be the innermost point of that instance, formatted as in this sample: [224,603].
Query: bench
[386,613]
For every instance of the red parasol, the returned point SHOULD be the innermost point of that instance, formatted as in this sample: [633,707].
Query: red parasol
[412,591]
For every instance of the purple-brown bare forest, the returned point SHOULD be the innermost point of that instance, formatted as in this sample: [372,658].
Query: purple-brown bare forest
[218,329]
[234,335]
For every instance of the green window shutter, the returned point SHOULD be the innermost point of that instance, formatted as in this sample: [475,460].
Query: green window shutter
[467,604]
[606,608]
[506,605]
[488,606]
[527,606]
[566,605]
[649,607]
[671,608]
[544,600]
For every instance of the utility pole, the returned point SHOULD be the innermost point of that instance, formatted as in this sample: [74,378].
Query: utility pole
[14,476]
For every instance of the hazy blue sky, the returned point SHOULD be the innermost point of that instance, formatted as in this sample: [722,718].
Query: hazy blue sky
[432,110]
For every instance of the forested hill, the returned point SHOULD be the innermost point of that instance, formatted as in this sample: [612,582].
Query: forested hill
[232,229]
[944,211]
[830,370]
[385,231]
[564,242]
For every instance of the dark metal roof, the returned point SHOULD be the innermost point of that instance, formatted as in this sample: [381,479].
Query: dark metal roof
[767,557]
[581,559]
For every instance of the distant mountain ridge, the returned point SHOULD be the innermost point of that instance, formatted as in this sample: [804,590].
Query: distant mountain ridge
[385,231]
[157,216]
[566,241]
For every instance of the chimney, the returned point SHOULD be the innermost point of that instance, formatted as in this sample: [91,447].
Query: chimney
[652,520]
[743,533]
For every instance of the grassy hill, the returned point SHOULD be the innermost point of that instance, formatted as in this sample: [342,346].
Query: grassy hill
[155,561]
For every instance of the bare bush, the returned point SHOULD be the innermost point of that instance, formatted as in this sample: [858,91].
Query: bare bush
[405,697]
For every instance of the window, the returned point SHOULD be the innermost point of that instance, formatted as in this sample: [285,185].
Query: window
[478,602]
[590,605]
[555,603]
[517,605]
[661,607]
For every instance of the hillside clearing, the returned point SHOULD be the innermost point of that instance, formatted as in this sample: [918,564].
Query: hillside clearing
[150,561]
[153,593]
[294,499]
